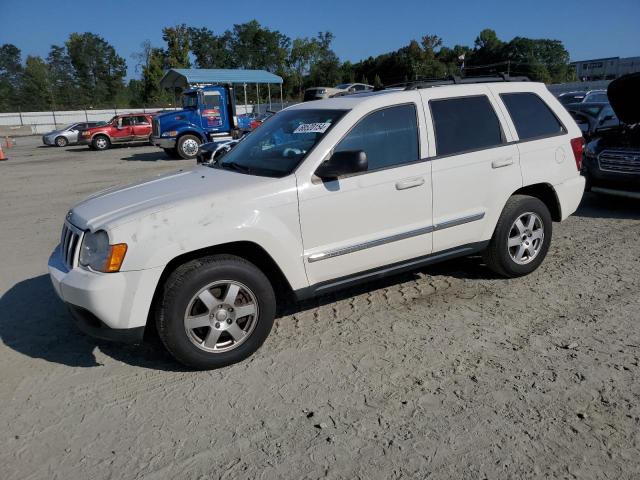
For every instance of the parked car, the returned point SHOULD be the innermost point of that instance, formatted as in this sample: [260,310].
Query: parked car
[592,96]
[612,161]
[592,117]
[127,128]
[318,93]
[322,196]
[67,135]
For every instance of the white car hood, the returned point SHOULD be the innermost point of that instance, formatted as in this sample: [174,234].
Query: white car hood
[118,205]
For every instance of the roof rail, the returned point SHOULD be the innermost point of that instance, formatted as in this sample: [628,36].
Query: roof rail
[456,80]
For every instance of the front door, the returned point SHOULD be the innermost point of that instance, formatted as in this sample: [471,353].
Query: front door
[124,130]
[475,166]
[374,218]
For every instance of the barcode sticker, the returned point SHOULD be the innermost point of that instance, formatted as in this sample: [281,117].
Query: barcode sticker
[312,128]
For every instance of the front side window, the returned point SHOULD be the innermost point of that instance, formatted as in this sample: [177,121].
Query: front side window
[389,137]
[464,124]
[281,144]
[531,116]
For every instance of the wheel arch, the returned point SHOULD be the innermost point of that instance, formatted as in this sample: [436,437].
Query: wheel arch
[547,195]
[247,250]
[191,131]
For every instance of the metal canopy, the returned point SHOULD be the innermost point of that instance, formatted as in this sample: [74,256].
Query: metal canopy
[187,77]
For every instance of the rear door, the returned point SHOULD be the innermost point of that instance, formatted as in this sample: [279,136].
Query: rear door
[475,167]
[141,127]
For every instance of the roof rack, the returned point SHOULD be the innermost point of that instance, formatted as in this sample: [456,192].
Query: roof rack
[455,80]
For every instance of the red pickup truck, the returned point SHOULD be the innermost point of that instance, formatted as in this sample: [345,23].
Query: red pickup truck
[132,127]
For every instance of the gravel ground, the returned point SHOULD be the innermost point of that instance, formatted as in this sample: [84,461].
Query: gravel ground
[447,372]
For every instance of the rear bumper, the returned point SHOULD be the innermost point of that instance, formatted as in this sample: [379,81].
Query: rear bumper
[163,142]
[112,306]
[569,195]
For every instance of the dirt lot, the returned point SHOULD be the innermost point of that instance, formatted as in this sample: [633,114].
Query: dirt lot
[444,373]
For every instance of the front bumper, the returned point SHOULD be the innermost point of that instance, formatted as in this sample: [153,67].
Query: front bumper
[608,181]
[163,142]
[48,140]
[113,306]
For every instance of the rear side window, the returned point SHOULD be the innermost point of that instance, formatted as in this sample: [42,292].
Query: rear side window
[464,124]
[389,137]
[531,116]
[142,120]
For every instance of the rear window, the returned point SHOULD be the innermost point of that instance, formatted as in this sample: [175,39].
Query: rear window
[531,116]
[465,124]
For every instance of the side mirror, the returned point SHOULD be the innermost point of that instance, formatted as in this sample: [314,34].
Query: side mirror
[343,163]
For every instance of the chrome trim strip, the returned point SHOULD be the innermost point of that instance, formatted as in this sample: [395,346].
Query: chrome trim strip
[394,238]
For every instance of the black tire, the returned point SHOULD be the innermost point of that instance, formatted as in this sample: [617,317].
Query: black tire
[61,141]
[101,142]
[171,153]
[498,256]
[185,142]
[178,294]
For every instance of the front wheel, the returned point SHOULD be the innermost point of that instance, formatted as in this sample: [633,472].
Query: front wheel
[215,311]
[521,238]
[61,141]
[101,142]
[188,146]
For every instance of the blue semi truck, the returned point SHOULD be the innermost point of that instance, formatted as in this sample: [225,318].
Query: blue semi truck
[208,108]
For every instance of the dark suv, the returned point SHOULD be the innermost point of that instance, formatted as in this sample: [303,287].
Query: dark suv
[612,161]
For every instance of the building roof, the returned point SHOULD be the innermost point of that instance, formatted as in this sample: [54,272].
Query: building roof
[186,77]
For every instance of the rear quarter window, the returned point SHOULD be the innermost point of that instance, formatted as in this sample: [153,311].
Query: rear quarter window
[532,117]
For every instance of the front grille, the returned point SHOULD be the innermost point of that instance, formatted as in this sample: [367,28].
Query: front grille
[620,161]
[70,244]
[155,127]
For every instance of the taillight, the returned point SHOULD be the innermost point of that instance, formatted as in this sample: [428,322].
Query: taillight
[577,145]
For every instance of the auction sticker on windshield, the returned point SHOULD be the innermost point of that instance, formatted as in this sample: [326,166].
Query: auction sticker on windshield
[312,128]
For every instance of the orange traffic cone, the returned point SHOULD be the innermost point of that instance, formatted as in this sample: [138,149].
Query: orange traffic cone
[2,155]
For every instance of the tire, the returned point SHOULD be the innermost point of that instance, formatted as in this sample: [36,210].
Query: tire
[171,153]
[518,249]
[199,322]
[101,142]
[61,141]
[186,147]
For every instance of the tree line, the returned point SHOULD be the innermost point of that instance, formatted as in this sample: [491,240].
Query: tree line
[87,72]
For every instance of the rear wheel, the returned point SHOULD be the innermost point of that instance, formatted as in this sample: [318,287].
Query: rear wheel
[61,141]
[188,146]
[215,311]
[521,238]
[101,142]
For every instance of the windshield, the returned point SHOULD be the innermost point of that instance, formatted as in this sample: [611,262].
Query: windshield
[190,100]
[70,127]
[343,86]
[279,145]
[571,98]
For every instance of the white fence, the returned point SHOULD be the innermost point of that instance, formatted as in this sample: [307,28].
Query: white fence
[42,122]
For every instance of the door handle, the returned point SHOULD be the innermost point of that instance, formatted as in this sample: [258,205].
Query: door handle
[502,162]
[413,182]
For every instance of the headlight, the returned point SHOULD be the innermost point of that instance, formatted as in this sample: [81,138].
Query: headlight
[97,254]
[171,133]
[322,90]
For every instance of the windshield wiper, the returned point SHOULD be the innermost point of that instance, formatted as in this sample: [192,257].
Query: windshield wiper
[235,166]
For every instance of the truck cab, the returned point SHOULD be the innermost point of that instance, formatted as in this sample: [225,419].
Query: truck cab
[207,112]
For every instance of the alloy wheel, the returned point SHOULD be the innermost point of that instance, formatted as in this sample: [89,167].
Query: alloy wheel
[526,237]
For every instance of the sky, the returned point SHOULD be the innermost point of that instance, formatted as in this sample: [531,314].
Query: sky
[588,28]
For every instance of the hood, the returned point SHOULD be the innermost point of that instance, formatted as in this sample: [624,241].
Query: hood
[624,96]
[119,205]
[163,117]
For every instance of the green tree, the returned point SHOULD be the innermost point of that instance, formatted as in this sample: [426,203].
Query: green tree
[152,73]
[10,73]
[178,46]
[35,89]
[256,47]
[61,77]
[99,71]
[210,50]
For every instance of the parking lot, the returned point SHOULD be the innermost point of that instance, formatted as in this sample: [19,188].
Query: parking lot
[447,372]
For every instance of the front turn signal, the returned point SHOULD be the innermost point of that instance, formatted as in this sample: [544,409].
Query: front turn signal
[116,257]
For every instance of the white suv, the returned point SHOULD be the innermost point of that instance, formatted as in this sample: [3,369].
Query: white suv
[318,198]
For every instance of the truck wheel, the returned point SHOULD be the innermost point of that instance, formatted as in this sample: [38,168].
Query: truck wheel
[188,146]
[61,141]
[521,238]
[215,311]
[171,153]
[101,142]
